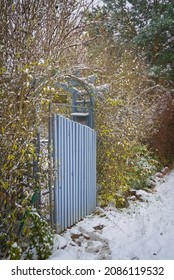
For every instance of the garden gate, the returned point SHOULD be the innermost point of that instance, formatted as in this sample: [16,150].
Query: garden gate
[74,157]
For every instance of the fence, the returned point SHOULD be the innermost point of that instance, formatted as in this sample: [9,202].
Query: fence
[74,156]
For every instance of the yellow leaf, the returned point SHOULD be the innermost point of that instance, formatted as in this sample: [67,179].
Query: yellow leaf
[3,130]
[14,146]
[10,157]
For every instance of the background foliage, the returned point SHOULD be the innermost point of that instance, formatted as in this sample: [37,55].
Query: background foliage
[145,25]
[131,113]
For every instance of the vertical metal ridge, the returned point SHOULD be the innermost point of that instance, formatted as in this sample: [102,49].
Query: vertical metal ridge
[80,174]
[56,178]
[77,172]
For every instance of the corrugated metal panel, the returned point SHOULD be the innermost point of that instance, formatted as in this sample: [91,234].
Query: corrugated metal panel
[74,153]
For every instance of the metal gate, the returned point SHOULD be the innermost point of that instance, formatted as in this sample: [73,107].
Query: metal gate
[74,156]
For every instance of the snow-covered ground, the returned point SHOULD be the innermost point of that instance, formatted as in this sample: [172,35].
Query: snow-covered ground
[145,230]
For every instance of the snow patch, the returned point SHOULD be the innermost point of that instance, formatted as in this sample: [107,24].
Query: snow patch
[143,231]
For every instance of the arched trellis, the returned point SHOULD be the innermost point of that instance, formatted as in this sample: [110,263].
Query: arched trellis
[83,94]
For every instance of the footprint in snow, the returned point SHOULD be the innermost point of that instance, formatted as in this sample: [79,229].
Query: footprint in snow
[92,242]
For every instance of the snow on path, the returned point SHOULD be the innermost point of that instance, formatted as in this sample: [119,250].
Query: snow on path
[145,230]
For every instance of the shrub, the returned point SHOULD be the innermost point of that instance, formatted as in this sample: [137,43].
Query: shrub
[40,238]
[123,161]
[33,238]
